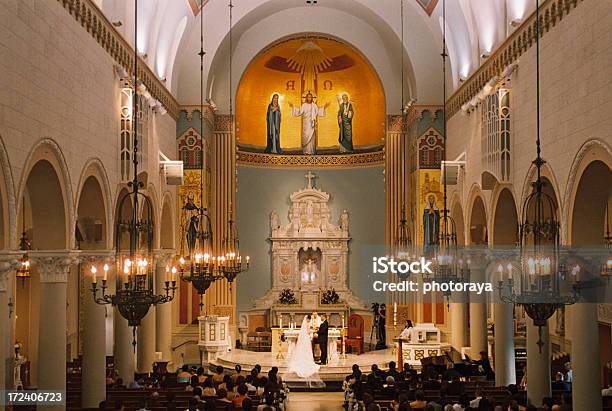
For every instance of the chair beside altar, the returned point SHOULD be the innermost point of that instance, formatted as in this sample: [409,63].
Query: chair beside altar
[354,335]
[423,341]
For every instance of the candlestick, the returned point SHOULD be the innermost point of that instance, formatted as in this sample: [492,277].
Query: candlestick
[94,278]
[105,268]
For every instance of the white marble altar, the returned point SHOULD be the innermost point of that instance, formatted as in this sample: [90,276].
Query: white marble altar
[285,348]
[309,256]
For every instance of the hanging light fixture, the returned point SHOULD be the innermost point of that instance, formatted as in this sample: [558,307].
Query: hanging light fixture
[134,290]
[540,272]
[230,263]
[447,266]
[23,270]
[198,266]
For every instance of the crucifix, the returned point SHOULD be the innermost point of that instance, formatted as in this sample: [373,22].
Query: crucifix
[310,176]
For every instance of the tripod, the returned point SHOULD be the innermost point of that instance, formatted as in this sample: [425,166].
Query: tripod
[374,332]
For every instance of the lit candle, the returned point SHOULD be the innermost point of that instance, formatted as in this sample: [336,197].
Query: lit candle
[608,264]
[280,321]
[342,320]
[182,261]
[105,268]
[94,278]
[509,267]
[173,272]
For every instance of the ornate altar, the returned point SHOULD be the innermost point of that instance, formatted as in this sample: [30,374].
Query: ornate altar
[309,257]
[423,340]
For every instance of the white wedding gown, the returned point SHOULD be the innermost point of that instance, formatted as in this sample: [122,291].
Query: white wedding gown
[302,361]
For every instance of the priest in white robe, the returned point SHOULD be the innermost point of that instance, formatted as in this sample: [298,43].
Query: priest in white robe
[309,112]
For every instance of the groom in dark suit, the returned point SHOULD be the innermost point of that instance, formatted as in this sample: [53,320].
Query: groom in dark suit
[322,338]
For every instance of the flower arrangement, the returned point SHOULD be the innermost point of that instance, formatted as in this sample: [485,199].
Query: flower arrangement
[287,297]
[330,297]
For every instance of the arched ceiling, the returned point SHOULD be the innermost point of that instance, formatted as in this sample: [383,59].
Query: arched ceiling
[168,34]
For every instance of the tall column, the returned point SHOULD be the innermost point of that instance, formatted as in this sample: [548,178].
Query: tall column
[478,307]
[220,298]
[146,342]
[8,263]
[53,268]
[459,321]
[505,367]
[163,325]
[94,338]
[123,351]
[538,364]
[586,386]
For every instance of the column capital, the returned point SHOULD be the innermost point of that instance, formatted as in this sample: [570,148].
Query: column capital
[54,265]
[9,262]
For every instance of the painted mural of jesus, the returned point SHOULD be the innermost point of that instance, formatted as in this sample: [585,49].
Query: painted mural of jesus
[309,111]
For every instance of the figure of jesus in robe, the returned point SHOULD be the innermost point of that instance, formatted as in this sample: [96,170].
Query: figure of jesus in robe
[309,111]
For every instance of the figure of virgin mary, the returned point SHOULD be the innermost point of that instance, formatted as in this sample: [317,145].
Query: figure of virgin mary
[273,123]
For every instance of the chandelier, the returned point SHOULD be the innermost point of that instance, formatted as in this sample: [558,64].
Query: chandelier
[134,289]
[536,286]
[23,269]
[198,265]
[447,265]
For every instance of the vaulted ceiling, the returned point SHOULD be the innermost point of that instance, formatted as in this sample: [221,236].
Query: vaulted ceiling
[169,36]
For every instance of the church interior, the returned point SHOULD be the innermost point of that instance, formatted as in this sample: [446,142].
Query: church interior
[306,204]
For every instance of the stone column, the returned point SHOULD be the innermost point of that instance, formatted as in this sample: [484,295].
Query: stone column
[8,264]
[163,326]
[505,367]
[459,321]
[538,364]
[124,350]
[53,268]
[94,335]
[478,307]
[586,386]
[146,341]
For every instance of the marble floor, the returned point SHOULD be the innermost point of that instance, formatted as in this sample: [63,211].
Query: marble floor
[334,371]
[315,401]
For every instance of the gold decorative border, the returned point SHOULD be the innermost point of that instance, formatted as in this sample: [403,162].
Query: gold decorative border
[551,13]
[324,160]
[97,25]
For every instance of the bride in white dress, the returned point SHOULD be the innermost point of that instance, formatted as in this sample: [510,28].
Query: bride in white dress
[302,361]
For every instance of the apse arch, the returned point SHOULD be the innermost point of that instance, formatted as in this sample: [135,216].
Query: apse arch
[7,200]
[94,171]
[362,27]
[44,177]
[338,68]
[589,152]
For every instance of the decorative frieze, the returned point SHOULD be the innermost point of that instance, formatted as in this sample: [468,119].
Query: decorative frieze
[521,40]
[97,25]
[307,161]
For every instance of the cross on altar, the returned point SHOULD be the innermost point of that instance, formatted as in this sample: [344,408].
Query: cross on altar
[310,176]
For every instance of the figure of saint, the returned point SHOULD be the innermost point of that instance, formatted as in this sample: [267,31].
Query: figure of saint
[344,220]
[273,220]
[18,362]
[309,214]
[273,122]
[345,123]
[309,112]
[431,222]
[190,222]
